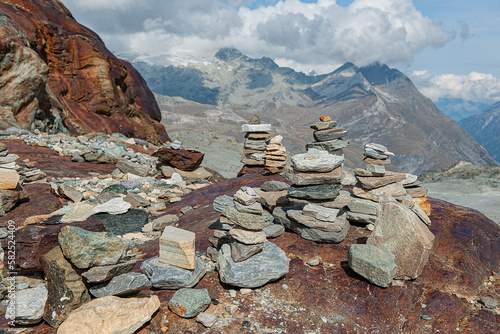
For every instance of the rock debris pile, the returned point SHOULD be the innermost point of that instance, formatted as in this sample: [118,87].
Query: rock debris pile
[261,149]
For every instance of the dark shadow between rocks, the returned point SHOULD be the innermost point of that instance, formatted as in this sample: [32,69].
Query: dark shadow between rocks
[361,240]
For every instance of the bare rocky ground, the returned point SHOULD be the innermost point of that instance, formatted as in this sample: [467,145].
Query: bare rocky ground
[468,185]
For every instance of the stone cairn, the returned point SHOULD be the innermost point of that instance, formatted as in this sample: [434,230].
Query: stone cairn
[400,243]
[375,181]
[328,137]
[176,265]
[316,177]
[275,155]
[244,257]
[255,145]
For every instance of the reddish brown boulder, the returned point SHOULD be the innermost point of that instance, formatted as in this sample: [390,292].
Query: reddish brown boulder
[66,78]
[185,160]
[33,241]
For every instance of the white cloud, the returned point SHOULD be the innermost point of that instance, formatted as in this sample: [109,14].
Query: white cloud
[316,36]
[476,87]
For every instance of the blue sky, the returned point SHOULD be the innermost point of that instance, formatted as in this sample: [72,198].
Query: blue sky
[448,48]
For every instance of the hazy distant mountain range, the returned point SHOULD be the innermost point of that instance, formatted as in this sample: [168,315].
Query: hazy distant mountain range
[485,127]
[374,103]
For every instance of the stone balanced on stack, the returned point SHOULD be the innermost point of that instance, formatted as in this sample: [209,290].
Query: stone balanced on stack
[255,145]
[275,158]
[328,137]
[316,177]
[176,266]
[375,180]
[249,260]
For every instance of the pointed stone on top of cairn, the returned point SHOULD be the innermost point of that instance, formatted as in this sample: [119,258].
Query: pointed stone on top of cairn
[254,120]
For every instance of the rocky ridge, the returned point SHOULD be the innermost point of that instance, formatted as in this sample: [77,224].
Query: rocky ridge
[59,77]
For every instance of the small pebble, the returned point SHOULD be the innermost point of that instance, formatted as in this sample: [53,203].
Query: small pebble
[245,291]
[231,309]
[232,293]
[314,261]
[426,317]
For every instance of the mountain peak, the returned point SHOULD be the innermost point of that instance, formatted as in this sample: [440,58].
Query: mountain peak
[380,74]
[228,54]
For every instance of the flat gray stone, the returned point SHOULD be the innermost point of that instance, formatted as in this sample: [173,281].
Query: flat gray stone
[320,212]
[364,206]
[323,125]
[274,230]
[375,264]
[8,158]
[377,170]
[126,166]
[255,208]
[123,284]
[374,154]
[361,218]
[28,305]
[165,276]
[101,274]
[248,220]
[323,162]
[319,192]
[314,234]
[273,186]
[221,202]
[311,178]
[256,127]
[331,145]
[268,265]
[329,134]
[376,147]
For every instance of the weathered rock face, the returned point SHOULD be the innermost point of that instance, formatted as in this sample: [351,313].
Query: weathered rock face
[61,78]
[66,290]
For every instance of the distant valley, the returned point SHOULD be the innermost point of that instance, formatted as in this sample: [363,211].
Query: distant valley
[374,103]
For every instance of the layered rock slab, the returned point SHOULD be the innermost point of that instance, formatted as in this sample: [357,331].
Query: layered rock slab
[399,231]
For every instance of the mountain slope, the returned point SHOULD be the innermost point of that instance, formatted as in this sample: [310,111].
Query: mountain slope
[374,103]
[485,128]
